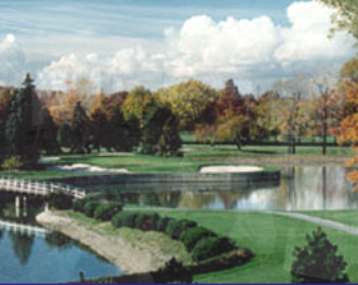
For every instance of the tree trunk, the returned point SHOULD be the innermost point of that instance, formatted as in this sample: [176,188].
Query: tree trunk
[238,144]
[324,131]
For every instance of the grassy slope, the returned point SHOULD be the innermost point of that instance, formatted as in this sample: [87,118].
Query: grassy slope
[157,242]
[272,238]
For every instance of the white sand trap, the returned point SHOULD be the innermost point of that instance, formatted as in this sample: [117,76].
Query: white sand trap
[48,159]
[230,169]
[85,168]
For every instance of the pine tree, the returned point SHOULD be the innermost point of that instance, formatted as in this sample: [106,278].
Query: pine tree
[23,124]
[318,262]
[81,130]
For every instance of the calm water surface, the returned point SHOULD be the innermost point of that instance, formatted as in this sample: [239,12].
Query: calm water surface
[300,188]
[43,258]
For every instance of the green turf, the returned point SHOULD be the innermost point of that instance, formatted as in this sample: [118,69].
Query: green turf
[348,217]
[272,238]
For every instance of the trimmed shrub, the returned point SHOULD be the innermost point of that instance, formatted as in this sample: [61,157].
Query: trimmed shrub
[89,208]
[318,262]
[117,220]
[175,228]
[191,236]
[146,221]
[78,205]
[210,247]
[105,212]
[124,219]
[60,201]
[162,224]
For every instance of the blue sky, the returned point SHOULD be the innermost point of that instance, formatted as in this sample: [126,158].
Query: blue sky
[122,43]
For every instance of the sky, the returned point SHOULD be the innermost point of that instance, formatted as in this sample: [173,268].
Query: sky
[119,44]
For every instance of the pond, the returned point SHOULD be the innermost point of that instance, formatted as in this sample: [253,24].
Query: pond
[38,257]
[300,188]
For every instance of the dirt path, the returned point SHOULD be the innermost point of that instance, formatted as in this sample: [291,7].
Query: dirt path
[321,222]
[119,251]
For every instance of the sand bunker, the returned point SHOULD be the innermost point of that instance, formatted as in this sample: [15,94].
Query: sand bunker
[230,169]
[48,159]
[85,168]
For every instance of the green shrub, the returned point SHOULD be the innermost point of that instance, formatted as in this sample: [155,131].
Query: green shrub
[105,212]
[210,247]
[162,224]
[146,221]
[12,163]
[175,228]
[129,219]
[191,236]
[78,205]
[117,220]
[89,208]
[60,201]
[318,262]
[124,219]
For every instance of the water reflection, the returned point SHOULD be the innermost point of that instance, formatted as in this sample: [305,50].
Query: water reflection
[28,254]
[301,188]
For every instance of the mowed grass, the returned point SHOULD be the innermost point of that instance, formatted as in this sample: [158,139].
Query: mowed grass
[272,238]
[348,217]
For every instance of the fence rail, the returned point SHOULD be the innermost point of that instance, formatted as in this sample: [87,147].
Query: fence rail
[42,188]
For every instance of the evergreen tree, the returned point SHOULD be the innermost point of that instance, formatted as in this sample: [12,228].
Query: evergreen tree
[100,129]
[160,134]
[318,262]
[48,138]
[23,124]
[81,130]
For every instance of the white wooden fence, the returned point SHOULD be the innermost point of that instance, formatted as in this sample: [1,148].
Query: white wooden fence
[42,188]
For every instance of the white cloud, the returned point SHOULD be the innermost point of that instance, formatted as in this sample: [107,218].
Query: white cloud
[256,50]
[12,61]
[306,39]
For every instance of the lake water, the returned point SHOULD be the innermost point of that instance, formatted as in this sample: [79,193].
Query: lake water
[44,258]
[300,188]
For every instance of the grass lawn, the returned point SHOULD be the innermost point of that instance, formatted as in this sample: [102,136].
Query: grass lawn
[272,238]
[348,217]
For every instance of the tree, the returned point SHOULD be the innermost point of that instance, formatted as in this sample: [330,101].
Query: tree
[160,132]
[48,134]
[269,114]
[318,262]
[239,129]
[80,131]
[346,18]
[23,124]
[292,90]
[136,103]
[187,100]
[328,107]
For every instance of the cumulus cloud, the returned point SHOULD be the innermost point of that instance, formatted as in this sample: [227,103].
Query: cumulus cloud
[250,49]
[306,39]
[12,61]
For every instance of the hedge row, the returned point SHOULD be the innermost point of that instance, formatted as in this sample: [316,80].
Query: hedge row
[201,242]
[92,208]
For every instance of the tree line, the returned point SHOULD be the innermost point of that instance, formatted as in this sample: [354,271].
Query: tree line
[81,120]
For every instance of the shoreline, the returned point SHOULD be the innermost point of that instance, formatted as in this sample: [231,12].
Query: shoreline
[129,258]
